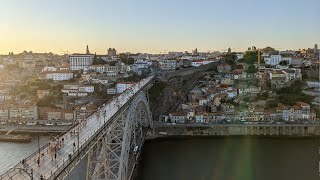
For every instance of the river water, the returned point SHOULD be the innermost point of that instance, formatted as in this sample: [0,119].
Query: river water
[231,158]
[211,158]
[13,153]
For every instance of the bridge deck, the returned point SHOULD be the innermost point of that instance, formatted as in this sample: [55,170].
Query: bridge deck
[50,168]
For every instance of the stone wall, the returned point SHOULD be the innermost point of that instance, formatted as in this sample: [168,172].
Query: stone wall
[230,130]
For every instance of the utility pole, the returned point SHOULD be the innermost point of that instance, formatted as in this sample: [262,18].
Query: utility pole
[79,136]
[39,144]
[259,56]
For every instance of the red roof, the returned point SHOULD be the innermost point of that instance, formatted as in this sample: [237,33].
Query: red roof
[181,113]
[126,82]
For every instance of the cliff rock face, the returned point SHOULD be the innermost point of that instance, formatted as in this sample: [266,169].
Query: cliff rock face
[166,97]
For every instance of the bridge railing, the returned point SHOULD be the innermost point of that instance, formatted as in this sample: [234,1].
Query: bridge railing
[73,156]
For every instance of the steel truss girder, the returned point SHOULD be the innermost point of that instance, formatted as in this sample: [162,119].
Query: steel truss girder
[110,158]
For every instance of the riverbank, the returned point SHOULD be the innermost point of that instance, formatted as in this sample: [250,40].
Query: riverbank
[188,137]
[234,130]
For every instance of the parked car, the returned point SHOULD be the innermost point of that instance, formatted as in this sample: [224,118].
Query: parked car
[31,123]
[49,124]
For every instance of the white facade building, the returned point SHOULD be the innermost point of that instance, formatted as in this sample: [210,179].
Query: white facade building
[49,68]
[273,59]
[111,69]
[168,64]
[197,63]
[80,61]
[207,61]
[99,68]
[140,65]
[86,88]
[59,75]
[239,56]
[67,88]
[122,86]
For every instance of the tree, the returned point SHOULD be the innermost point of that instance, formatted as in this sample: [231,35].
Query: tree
[123,56]
[230,58]
[251,57]
[112,63]
[98,61]
[290,95]
[283,63]
[130,60]
[125,59]
[251,69]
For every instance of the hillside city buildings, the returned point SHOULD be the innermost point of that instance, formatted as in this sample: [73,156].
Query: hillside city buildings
[46,86]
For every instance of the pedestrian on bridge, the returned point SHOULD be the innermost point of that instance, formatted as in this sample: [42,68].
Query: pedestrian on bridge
[38,161]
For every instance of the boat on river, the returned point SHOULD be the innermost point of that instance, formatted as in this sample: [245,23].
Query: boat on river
[15,138]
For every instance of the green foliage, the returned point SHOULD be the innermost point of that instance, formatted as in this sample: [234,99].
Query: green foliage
[241,60]
[272,103]
[133,78]
[98,61]
[290,95]
[123,56]
[127,61]
[317,112]
[156,90]
[232,101]
[251,57]
[247,99]
[283,63]
[112,63]
[295,88]
[230,58]
[251,69]
[130,60]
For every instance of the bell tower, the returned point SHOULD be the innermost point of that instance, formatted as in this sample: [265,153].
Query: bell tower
[87,51]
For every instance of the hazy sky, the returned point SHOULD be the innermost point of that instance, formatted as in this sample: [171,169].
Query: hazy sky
[157,25]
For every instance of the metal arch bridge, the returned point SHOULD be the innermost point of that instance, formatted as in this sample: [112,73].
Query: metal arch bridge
[110,137]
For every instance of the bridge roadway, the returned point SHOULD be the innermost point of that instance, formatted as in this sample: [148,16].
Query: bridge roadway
[50,168]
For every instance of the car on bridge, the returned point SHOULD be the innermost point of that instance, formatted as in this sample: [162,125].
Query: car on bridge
[31,123]
[135,150]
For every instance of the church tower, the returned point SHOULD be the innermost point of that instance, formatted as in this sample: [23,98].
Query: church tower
[87,51]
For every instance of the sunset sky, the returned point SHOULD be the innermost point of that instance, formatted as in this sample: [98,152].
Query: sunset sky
[156,26]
